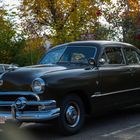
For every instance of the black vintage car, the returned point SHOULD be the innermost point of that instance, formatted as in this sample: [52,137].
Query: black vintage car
[70,81]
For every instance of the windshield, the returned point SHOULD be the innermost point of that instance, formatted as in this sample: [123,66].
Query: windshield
[53,56]
[71,54]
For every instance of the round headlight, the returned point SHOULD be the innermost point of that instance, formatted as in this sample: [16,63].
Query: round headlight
[38,85]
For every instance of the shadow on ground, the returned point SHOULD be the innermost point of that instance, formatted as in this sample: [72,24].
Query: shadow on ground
[94,127]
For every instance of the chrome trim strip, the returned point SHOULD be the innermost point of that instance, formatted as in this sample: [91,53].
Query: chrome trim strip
[37,97]
[110,93]
[17,93]
[21,93]
[6,103]
[49,103]
[38,115]
[50,111]
[41,103]
[32,116]
[7,115]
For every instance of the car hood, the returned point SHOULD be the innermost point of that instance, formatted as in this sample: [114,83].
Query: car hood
[22,77]
[37,70]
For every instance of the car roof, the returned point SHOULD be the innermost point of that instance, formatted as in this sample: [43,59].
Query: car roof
[100,43]
[97,42]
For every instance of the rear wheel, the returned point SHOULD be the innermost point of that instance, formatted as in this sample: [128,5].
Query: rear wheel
[72,115]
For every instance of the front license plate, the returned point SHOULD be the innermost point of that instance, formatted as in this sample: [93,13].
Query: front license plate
[2,120]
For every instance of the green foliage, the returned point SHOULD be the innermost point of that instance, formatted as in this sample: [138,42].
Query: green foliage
[131,23]
[14,48]
[6,36]
[60,20]
[124,21]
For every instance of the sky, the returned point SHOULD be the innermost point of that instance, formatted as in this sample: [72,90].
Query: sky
[11,2]
[16,2]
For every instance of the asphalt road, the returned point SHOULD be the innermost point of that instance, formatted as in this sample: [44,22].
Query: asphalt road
[121,125]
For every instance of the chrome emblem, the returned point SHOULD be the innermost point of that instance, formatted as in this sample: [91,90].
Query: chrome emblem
[1,82]
[20,103]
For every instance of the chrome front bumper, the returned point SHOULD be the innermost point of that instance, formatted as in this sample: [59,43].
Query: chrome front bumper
[46,110]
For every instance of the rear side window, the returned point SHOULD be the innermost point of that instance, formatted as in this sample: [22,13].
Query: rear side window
[132,56]
[113,55]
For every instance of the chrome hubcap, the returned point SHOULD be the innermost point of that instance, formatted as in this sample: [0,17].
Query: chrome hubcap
[73,115]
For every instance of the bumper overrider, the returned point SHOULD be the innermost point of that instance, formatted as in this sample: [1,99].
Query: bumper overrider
[46,110]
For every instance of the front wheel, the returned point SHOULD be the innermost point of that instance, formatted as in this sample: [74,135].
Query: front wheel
[72,115]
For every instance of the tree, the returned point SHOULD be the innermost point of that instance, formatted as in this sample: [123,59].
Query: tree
[6,37]
[124,20]
[31,52]
[60,20]
[131,22]
[11,42]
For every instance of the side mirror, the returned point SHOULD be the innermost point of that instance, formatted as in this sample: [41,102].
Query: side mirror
[92,61]
[102,61]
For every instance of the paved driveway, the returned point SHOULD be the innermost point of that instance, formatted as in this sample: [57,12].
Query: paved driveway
[122,125]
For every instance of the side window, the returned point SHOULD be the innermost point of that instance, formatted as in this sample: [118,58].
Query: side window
[132,56]
[78,54]
[113,55]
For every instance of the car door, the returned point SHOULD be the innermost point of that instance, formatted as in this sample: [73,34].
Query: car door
[133,62]
[114,77]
